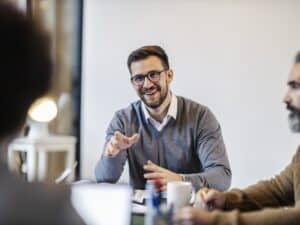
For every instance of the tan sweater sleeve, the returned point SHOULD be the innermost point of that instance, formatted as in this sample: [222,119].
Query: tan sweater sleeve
[276,192]
[262,203]
[280,216]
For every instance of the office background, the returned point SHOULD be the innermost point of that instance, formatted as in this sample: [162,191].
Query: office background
[232,55]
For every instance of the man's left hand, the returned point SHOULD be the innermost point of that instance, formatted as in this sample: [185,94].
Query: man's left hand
[157,172]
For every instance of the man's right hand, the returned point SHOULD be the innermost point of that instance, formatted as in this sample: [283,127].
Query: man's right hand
[210,199]
[119,142]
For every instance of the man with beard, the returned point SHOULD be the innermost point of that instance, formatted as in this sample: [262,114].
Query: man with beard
[270,202]
[163,136]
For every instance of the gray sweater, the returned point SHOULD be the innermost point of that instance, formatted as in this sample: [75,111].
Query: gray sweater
[191,145]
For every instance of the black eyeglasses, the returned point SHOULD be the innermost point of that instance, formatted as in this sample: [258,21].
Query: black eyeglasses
[153,76]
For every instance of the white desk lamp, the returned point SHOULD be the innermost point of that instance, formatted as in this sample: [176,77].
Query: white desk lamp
[41,113]
[39,143]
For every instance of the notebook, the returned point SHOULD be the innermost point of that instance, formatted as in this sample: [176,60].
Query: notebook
[103,204]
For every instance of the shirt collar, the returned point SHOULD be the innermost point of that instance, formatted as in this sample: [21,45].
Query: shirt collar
[172,111]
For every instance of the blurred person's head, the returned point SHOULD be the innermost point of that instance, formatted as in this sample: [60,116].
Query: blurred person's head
[292,97]
[25,67]
[150,74]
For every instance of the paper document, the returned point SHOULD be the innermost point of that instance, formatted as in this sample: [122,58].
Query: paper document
[139,196]
[138,208]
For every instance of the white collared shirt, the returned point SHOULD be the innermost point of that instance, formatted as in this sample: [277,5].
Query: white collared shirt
[172,113]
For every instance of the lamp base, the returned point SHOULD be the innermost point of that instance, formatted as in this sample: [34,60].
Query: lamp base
[38,130]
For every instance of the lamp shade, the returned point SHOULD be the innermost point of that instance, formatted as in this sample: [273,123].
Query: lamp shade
[43,110]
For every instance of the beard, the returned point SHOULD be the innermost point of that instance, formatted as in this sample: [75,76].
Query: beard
[156,88]
[294,118]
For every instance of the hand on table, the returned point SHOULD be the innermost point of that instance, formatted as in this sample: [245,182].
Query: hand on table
[157,172]
[210,199]
[192,216]
[119,142]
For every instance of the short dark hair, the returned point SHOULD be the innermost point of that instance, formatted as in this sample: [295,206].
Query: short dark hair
[297,57]
[25,66]
[147,51]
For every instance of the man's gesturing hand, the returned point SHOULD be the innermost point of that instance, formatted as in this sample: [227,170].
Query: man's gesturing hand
[119,142]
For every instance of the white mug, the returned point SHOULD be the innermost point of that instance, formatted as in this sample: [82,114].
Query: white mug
[180,194]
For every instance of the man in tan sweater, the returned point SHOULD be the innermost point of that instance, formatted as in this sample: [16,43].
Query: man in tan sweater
[271,202]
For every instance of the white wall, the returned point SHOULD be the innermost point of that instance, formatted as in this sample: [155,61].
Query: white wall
[233,56]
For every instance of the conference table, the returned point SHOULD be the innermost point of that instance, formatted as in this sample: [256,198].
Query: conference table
[137,219]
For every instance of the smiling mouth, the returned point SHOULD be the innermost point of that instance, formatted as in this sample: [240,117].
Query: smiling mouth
[150,93]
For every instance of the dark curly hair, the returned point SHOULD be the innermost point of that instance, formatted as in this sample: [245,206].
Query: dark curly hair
[25,66]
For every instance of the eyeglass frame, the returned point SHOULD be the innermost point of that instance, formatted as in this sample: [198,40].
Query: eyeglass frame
[148,77]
